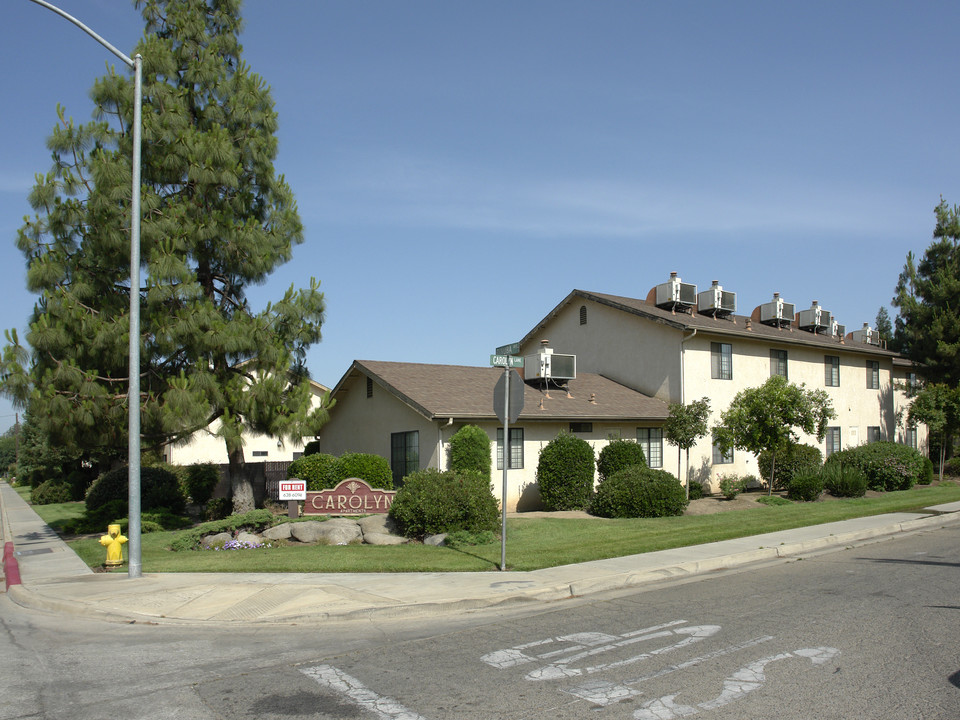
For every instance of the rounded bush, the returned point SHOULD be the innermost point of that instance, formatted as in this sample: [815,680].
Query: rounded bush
[637,491]
[51,492]
[316,469]
[794,458]
[952,467]
[887,465]
[470,451]
[844,480]
[431,502]
[806,486]
[372,468]
[565,473]
[619,455]
[201,480]
[159,488]
[926,474]
[696,490]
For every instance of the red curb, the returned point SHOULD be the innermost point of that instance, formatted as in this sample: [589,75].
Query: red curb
[11,569]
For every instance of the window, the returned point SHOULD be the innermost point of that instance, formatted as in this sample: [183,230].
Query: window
[583,314]
[581,427]
[651,440]
[778,363]
[911,379]
[833,440]
[516,448]
[720,457]
[404,454]
[831,370]
[260,453]
[910,437]
[873,434]
[297,455]
[873,375]
[721,361]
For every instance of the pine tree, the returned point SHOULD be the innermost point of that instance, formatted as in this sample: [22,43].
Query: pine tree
[216,220]
[928,296]
[884,326]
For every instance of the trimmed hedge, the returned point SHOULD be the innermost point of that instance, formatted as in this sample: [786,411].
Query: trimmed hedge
[316,469]
[619,455]
[159,488]
[887,465]
[431,502]
[470,451]
[565,473]
[323,471]
[795,458]
[637,491]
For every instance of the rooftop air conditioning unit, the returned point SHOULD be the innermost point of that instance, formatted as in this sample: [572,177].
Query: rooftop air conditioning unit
[815,320]
[837,330]
[716,301]
[675,294]
[549,365]
[866,335]
[777,313]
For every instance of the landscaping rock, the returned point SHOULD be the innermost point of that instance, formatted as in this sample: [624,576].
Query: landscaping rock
[278,532]
[307,532]
[341,533]
[374,538]
[251,538]
[211,541]
[383,524]
[435,540]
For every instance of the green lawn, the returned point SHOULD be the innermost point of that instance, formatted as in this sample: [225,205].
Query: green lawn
[532,543]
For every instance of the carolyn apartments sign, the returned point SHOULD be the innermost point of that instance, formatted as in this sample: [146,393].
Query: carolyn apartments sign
[352,496]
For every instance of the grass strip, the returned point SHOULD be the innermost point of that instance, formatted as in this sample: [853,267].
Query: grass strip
[532,543]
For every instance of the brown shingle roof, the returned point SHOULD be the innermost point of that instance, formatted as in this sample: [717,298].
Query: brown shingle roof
[732,325]
[466,393]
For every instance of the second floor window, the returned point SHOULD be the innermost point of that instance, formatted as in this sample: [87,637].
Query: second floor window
[721,361]
[778,363]
[831,370]
[873,375]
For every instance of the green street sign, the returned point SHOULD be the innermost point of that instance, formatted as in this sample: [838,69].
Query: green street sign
[511,349]
[506,361]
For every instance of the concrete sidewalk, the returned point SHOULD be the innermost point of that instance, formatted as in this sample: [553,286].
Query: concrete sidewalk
[54,579]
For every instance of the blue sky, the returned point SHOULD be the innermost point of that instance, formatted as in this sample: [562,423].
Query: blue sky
[461,167]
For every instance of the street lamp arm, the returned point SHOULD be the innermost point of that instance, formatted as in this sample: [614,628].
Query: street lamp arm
[67,16]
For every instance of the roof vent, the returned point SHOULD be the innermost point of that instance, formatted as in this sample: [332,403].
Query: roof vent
[866,335]
[777,313]
[716,301]
[815,320]
[674,294]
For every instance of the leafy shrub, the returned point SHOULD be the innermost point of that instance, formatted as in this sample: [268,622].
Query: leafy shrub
[470,451]
[50,492]
[431,502]
[79,482]
[316,469]
[887,465]
[159,488]
[637,491]
[696,490]
[201,480]
[218,509]
[794,458]
[372,468]
[253,521]
[733,485]
[619,455]
[805,485]
[926,474]
[565,473]
[952,467]
[844,480]
[311,448]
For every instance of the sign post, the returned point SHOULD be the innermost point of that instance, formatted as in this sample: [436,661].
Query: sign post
[507,404]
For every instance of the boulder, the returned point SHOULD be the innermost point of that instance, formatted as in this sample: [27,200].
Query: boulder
[250,538]
[383,524]
[278,532]
[375,538]
[341,533]
[436,540]
[307,532]
[212,541]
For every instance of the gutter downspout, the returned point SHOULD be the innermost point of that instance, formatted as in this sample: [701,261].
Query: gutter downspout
[440,429]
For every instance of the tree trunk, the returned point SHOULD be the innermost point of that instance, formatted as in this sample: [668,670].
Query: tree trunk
[241,485]
[773,471]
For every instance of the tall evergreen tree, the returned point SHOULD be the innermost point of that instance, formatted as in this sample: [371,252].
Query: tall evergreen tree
[216,220]
[928,299]
[883,325]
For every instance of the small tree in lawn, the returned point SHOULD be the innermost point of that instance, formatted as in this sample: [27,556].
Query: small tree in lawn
[767,418]
[685,425]
[937,406]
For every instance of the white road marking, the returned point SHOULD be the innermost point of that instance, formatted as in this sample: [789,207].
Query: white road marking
[337,680]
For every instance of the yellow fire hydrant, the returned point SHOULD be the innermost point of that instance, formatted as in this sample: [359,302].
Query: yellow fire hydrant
[113,541]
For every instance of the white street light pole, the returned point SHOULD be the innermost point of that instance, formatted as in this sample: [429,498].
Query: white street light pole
[133,391]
